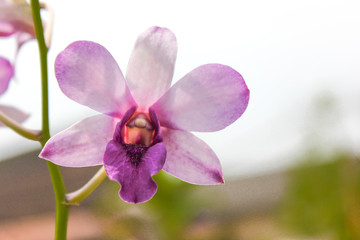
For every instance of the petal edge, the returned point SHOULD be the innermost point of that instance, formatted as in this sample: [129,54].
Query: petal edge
[191,159]
[88,74]
[209,98]
[6,73]
[81,145]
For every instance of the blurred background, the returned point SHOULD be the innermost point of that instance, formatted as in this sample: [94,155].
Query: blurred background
[291,162]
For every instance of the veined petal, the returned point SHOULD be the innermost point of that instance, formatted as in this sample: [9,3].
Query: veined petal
[6,73]
[81,145]
[14,113]
[190,159]
[209,98]
[151,66]
[135,178]
[88,74]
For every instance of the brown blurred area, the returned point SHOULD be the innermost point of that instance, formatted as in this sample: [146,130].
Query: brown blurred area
[27,203]
[315,200]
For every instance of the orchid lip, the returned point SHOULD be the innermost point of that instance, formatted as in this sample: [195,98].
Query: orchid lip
[133,165]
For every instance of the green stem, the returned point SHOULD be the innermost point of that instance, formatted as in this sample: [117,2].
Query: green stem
[62,210]
[18,128]
[74,198]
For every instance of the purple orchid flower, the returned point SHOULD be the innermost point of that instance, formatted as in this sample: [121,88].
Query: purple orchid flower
[145,125]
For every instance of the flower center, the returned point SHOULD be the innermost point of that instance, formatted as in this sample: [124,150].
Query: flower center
[139,130]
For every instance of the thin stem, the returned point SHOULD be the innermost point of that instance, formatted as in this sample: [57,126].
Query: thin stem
[62,210]
[79,195]
[27,133]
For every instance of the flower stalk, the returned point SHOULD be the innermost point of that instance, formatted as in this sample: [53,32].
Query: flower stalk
[62,210]
[18,128]
[74,198]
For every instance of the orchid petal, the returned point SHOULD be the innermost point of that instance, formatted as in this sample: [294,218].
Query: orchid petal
[190,159]
[135,177]
[6,73]
[88,74]
[22,37]
[209,98]
[151,65]
[81,145]
[6,29]
[14,113]
[16,15]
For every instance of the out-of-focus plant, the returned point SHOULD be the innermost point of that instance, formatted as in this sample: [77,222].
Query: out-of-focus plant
[15,20]
[168,215]
[174,206]
[323,197]
[9,115]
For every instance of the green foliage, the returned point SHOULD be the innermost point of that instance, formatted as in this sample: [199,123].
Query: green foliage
[323,197]
[166,216]
[174,206]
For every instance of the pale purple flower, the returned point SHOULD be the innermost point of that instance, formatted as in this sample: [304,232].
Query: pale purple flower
[16,19]
[6,73]
[13,113]
[145,124]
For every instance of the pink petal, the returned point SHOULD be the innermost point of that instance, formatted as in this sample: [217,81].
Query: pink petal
[14,114]
[16,15]
[190,159]
[81,145]
[209,98]
[23,37]
[6,73]
[6,29]
[88,74]
[151,65]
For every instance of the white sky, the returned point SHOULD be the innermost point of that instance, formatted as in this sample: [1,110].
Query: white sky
[289,52]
